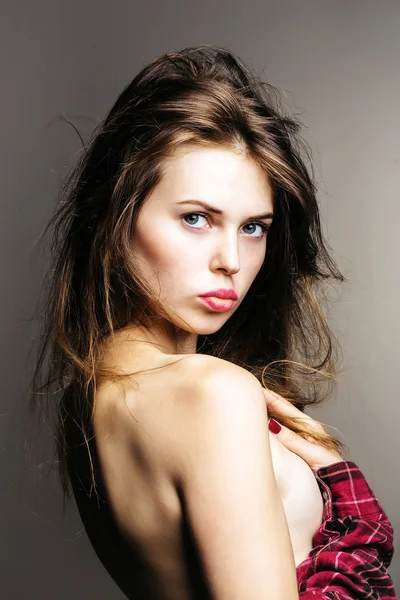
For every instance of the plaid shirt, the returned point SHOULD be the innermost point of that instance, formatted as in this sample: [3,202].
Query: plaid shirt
[353,547]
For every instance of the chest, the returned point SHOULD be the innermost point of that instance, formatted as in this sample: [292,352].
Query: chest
[301,497]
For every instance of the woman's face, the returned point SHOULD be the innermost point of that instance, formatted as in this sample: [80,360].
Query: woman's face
[183,254]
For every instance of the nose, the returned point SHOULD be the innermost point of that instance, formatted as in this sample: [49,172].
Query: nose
[226,254]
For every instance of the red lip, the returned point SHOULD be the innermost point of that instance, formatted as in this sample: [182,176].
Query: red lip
[222,293]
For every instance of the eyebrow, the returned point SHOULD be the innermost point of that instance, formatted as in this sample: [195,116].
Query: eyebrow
[220,212]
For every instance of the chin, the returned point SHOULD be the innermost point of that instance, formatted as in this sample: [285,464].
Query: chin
[208,330]
[207,326]
[202,325]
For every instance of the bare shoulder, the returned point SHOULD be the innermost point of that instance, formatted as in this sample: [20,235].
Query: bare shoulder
[218,402]
[202,373]
[227,484]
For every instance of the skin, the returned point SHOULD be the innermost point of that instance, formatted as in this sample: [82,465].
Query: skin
[226,251]
[182,255]
[313,454]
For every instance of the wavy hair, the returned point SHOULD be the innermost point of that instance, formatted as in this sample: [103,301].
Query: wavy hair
[203,97]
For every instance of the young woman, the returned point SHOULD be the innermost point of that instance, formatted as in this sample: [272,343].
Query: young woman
[183,312]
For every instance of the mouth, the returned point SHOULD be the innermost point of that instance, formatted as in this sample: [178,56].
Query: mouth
[218,304]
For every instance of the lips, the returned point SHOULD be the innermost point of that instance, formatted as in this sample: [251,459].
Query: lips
[218,304]
[222,293]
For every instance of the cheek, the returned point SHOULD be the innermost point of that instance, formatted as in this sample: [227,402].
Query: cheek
[149,245]
[253,261]
[160,256]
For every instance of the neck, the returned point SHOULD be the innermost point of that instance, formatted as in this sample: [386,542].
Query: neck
[164,339]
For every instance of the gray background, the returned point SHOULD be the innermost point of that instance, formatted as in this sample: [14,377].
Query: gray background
[338,65]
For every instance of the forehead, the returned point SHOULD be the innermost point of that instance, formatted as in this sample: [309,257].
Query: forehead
[218,176]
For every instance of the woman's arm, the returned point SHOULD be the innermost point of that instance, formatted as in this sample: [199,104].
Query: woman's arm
[354,545]
[228,486]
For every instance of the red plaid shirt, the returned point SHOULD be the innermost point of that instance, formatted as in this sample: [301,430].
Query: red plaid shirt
[354,545]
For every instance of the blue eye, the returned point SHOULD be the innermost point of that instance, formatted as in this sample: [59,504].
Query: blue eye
[191,215]
[264,228]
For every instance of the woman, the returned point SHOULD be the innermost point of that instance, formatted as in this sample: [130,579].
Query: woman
[184,311]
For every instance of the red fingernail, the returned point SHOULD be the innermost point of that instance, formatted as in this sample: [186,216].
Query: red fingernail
[274,426]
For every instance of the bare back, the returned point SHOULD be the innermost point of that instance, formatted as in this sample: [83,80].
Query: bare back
[136,429]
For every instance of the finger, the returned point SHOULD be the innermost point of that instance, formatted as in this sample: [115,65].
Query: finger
[311,453]
[282,406]
[271,396]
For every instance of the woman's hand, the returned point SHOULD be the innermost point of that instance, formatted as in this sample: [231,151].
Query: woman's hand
[316,456]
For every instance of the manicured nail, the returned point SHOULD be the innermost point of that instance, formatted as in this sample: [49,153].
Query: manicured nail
[274,426]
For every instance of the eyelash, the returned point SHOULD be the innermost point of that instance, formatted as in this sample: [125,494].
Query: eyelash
[207,216]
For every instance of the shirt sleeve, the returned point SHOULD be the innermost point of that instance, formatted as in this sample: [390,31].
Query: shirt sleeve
[353,547]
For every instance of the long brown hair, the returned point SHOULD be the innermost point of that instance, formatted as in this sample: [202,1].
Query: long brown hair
[200,96]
